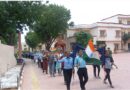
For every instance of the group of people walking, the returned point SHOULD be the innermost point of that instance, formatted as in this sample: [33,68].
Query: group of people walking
[68,69]
[49,63]
[58,62]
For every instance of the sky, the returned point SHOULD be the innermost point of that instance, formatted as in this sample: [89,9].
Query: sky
[91,11]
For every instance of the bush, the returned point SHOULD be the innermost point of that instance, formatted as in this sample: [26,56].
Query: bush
[126,37]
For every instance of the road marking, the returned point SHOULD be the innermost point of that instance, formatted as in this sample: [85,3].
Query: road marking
[35,82]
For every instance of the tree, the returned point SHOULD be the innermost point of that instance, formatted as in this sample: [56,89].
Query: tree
[125,37]
[32,40]
[83,38]
[17,15]
[53,22]
[71,24]
[9,37]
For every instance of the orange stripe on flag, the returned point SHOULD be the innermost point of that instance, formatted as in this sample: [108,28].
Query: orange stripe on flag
[90,43]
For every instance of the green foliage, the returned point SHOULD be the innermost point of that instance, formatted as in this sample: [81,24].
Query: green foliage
[32,39]
[17,15]
[53,22]
[3,41]
[16,55]
[10,37]
[48,21]
[83,38]
[126,37]
[71,24]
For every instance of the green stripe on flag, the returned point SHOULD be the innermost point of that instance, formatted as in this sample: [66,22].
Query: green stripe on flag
[91,61]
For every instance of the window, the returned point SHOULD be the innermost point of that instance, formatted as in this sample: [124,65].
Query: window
[102,33]
[25,49]
[118,33]
[120,22]
[128,22]
[24,45]
[116,46]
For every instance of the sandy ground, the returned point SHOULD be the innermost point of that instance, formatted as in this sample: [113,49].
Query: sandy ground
[34,79]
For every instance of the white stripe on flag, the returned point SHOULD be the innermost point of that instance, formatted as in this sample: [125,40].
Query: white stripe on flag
[88,51]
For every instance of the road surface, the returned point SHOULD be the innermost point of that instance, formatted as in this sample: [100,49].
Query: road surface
[34,79]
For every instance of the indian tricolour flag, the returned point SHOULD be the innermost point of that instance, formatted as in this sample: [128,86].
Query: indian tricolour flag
[90,48]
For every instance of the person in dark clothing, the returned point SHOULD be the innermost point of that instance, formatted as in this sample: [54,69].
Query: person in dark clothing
[110,54]
[39,62]
[107,65]
[101,51]
[94,71]
[96,67]
[82,70]
[45,62]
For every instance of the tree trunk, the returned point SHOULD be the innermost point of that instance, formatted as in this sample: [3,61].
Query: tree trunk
[47,45]
[19,45]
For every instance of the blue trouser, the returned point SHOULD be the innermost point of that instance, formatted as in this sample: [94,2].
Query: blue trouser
[52,69]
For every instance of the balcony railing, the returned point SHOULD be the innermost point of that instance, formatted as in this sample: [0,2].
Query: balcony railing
[103,36]
[117,36]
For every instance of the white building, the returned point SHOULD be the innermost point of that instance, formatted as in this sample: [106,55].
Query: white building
[109,31]
[25,47]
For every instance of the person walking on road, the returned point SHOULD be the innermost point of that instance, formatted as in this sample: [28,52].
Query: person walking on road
[107,65]
[82,70]
[58,65]
[110,54]
[68,66]
[101,49]
[109,51]
[96,67]
[51,63]
[45,62]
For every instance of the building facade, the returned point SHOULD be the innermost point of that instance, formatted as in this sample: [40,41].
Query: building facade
[108,31]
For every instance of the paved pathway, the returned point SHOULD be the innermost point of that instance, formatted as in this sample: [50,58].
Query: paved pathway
[34,79]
